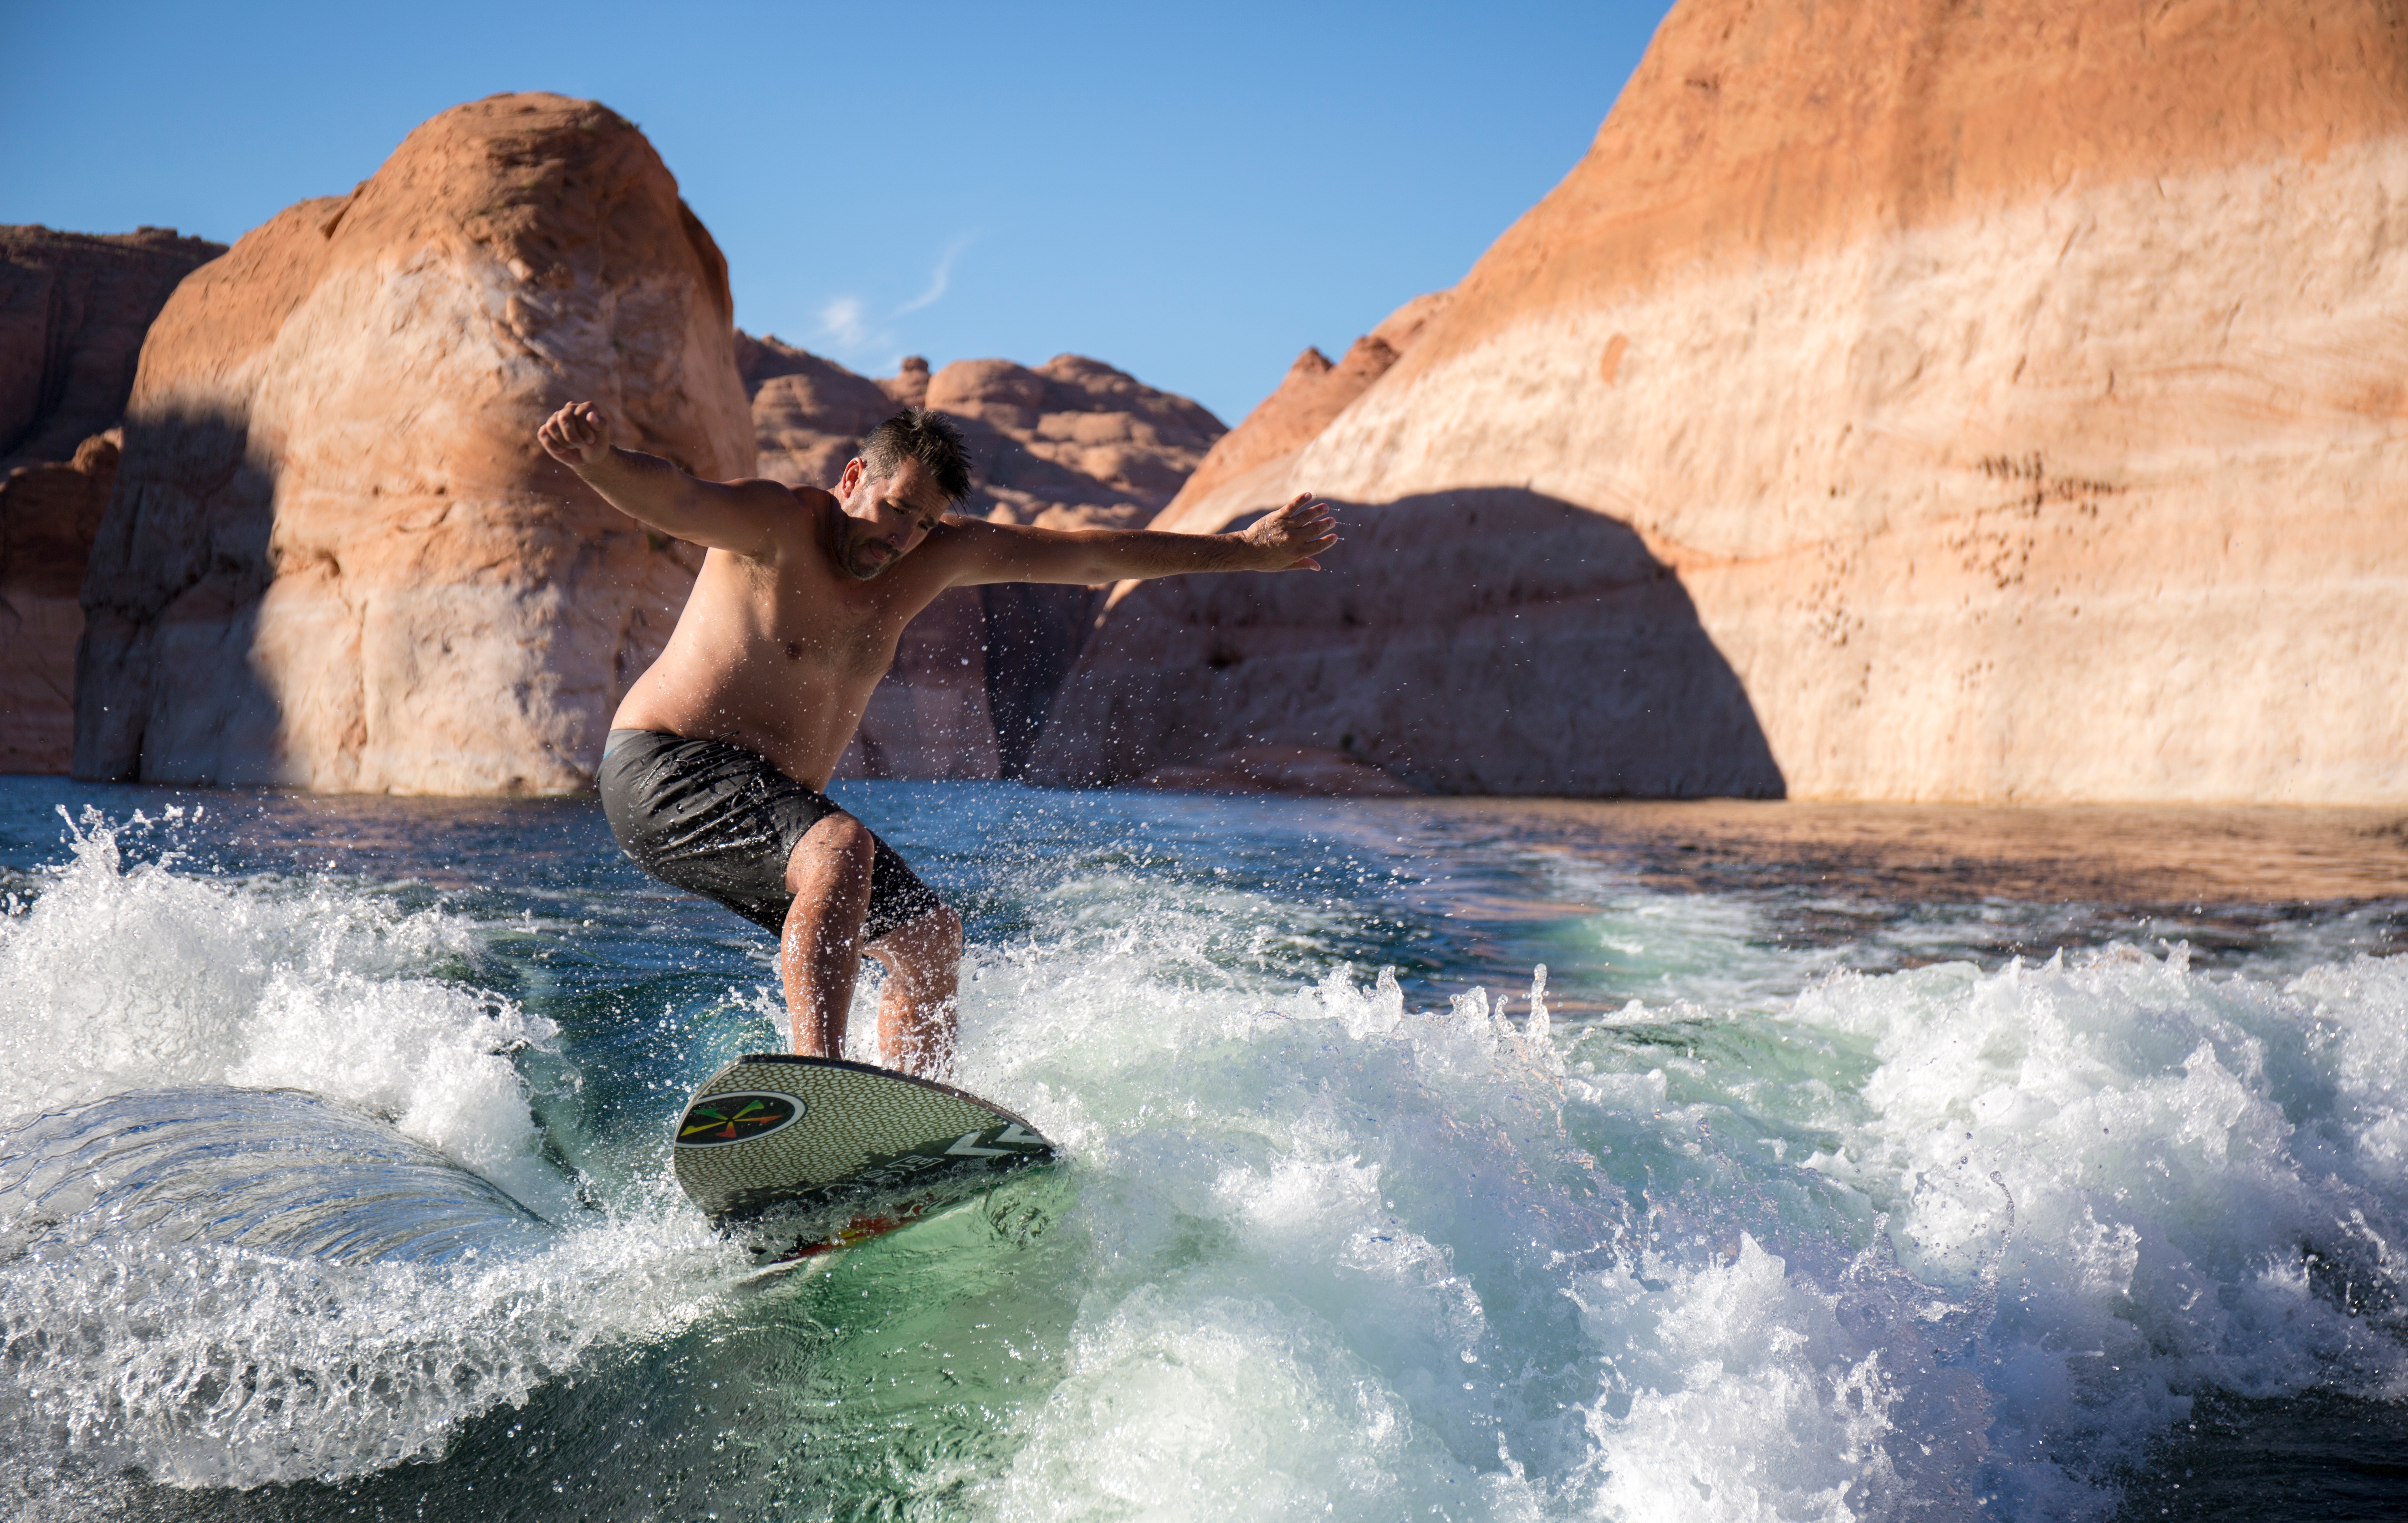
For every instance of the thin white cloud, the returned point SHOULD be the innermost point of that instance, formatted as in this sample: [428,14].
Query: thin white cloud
[847,331]
[942,278]
[843,324]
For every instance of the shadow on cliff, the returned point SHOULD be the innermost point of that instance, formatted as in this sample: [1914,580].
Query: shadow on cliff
[1493,641]
[165,689]
[1034,634]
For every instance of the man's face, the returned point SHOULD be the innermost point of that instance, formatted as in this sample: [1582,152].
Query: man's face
[885,517]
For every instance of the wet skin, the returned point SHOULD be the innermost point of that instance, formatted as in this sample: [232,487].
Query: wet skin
[792,620]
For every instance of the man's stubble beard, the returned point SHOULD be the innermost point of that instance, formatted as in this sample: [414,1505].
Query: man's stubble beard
[858,565]
[852,548]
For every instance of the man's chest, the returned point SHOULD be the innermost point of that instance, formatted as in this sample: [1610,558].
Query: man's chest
[848,631]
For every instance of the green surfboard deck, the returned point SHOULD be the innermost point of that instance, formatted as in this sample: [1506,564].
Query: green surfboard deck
[793,1156]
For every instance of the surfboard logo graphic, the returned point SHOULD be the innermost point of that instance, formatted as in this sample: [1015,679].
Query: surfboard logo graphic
[997,1142]
[719,1119]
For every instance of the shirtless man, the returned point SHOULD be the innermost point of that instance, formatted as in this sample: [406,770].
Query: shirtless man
[714,772]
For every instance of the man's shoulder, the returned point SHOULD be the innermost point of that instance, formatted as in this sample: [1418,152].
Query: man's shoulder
[957,532]
[777,493]
[793,514]
[769,494]
[956,525]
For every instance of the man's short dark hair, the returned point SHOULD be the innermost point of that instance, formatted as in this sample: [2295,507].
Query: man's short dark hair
[929,437]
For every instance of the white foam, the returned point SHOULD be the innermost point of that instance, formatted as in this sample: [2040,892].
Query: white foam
[1745,1398]
[2196,1210]
[2063,1200]
[206,1364]
[1181,1403]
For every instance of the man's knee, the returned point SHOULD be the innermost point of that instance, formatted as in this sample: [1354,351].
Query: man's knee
[934,937]
[838,850]
[944,932]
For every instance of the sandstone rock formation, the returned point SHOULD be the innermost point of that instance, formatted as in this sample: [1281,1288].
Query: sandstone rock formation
[1907,401]
[49,513]
[336,558]
[809,414]
[73,309]
[1312,394]
[1072,443]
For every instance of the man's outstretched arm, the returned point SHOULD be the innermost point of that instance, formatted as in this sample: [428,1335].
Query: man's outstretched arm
[1287,539]
[723,515]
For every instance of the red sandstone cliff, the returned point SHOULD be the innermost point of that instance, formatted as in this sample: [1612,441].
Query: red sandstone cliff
[1072,443]
[50,514]
[336,558]
[1904,401]
[73,309]
[1309,398]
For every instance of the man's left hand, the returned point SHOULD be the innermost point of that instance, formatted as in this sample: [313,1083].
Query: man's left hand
[1292,536]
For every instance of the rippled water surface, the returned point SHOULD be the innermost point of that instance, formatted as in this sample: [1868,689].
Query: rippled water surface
[1843,1163]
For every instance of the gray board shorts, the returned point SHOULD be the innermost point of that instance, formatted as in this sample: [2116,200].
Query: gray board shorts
[718,819]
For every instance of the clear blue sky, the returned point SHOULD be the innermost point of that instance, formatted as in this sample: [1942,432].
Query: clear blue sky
[1192,194]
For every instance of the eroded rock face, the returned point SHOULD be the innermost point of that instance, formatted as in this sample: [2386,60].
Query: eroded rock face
[1899,401]
[1440,666]
[73,309]
[49,513]
[809,414]
[1312,394]
[1073,443]
[336,558]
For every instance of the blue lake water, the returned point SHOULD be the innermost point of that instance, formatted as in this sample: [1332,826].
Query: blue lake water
[1846,1163]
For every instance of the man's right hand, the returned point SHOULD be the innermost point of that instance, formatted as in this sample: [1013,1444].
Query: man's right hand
[576,436]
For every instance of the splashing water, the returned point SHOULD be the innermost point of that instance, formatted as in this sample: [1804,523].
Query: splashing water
[133,1335]
[117,978]
[1707,1218]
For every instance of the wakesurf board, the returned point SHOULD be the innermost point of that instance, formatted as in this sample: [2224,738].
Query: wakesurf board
[795,1156]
